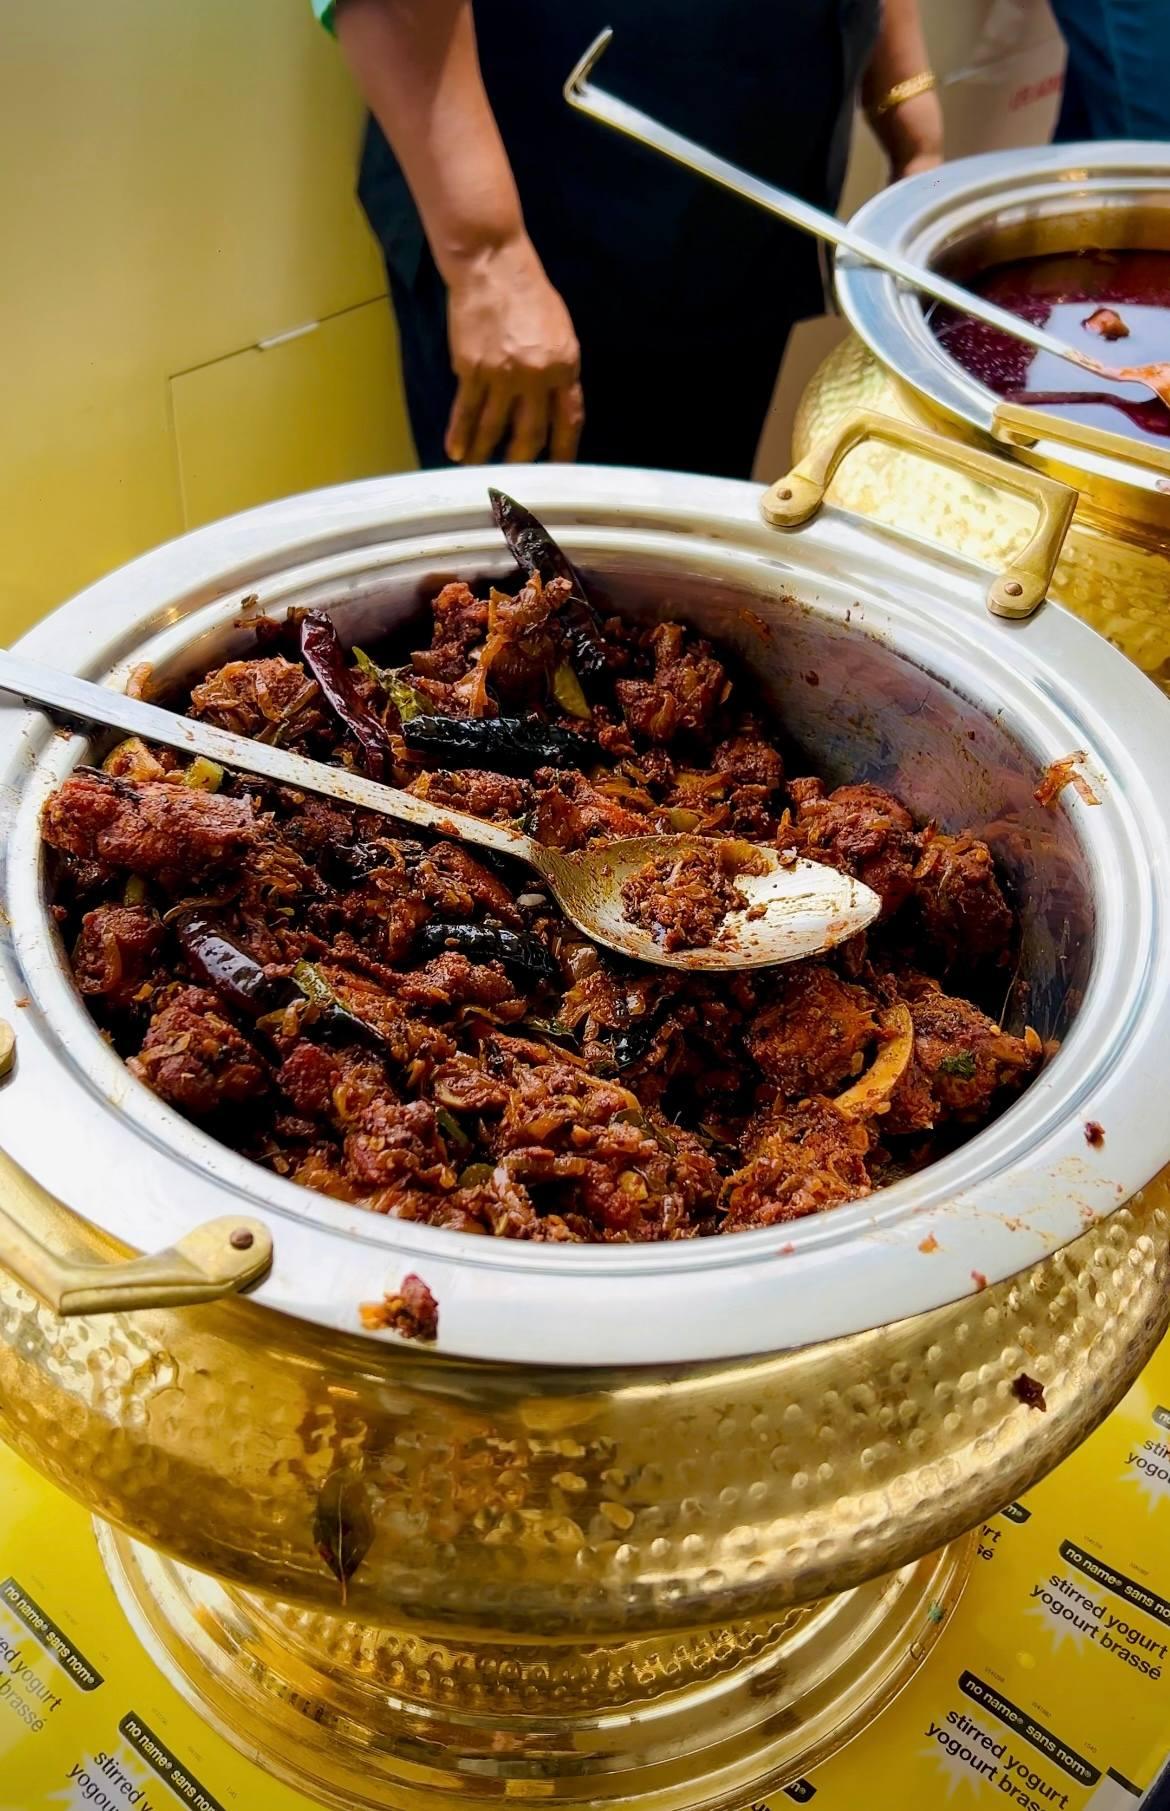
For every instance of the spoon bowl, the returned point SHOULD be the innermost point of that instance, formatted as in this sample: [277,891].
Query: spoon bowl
[795,908]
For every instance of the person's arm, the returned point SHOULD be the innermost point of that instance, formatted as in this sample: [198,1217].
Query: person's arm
[911,132]
[513,347]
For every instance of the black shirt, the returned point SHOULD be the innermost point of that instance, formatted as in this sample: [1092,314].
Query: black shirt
[766,83]
[681,294]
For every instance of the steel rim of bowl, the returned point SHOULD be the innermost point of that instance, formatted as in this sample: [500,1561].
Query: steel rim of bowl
[1029,1184]
[928,216]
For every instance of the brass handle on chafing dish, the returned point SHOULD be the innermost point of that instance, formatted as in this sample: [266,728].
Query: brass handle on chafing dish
[1023,585]
[216,1259]
[1020,427]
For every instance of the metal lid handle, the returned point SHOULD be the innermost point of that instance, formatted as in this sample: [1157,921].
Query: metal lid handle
[1023,585]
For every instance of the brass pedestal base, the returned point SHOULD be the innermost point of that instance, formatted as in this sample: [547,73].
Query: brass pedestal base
[363,1717]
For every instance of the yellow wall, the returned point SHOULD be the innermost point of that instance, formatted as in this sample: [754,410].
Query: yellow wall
[177,181]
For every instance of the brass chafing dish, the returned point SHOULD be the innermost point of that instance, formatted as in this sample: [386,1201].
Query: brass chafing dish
[974,214]
[663,1522]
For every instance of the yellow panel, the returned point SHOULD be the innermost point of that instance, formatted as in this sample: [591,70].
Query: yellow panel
[187,175]
[287,417]
[179,184]
[83,487]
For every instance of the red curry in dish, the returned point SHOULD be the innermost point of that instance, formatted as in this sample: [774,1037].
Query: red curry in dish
[1113,305]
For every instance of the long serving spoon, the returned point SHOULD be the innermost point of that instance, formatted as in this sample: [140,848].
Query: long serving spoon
[794,908]
[586,98]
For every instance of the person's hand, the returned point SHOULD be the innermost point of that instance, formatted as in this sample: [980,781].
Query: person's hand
[516,356]
[912,135]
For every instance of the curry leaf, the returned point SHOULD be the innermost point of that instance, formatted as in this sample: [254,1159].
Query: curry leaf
[406,701]
[343,1527]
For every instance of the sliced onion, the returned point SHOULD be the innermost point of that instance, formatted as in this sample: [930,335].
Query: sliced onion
[870,1096]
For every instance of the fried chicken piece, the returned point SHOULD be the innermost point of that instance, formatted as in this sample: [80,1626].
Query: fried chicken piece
[456,885]
[649,768]
[809,1157]
[629,1178]
[864,831]
[547,1109]
[152,827]
[331,1084]
[614,739]
[963,911]
[308,1076]
[807,790]
[476,790]
[619,1019]
[315,828]
[1107,324]
[387,910]
[114,952]
[195,1058]
[394,1143]
[687,687]
[249,696]
[746,759]
[410,1043]
[813,1034]
[754,774]
[668,1192]
[460,623]
[463,1085]
[450,981]
[912,1106]
[707,1050]
[617,1188]
[570,811]
[961,1059]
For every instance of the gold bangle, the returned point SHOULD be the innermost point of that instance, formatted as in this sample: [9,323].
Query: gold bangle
[908,90]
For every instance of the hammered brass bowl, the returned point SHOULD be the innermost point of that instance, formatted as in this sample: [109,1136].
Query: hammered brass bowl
[655,1522]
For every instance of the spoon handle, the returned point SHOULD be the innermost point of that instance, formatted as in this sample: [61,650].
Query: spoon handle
[582,94]
[77,700]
